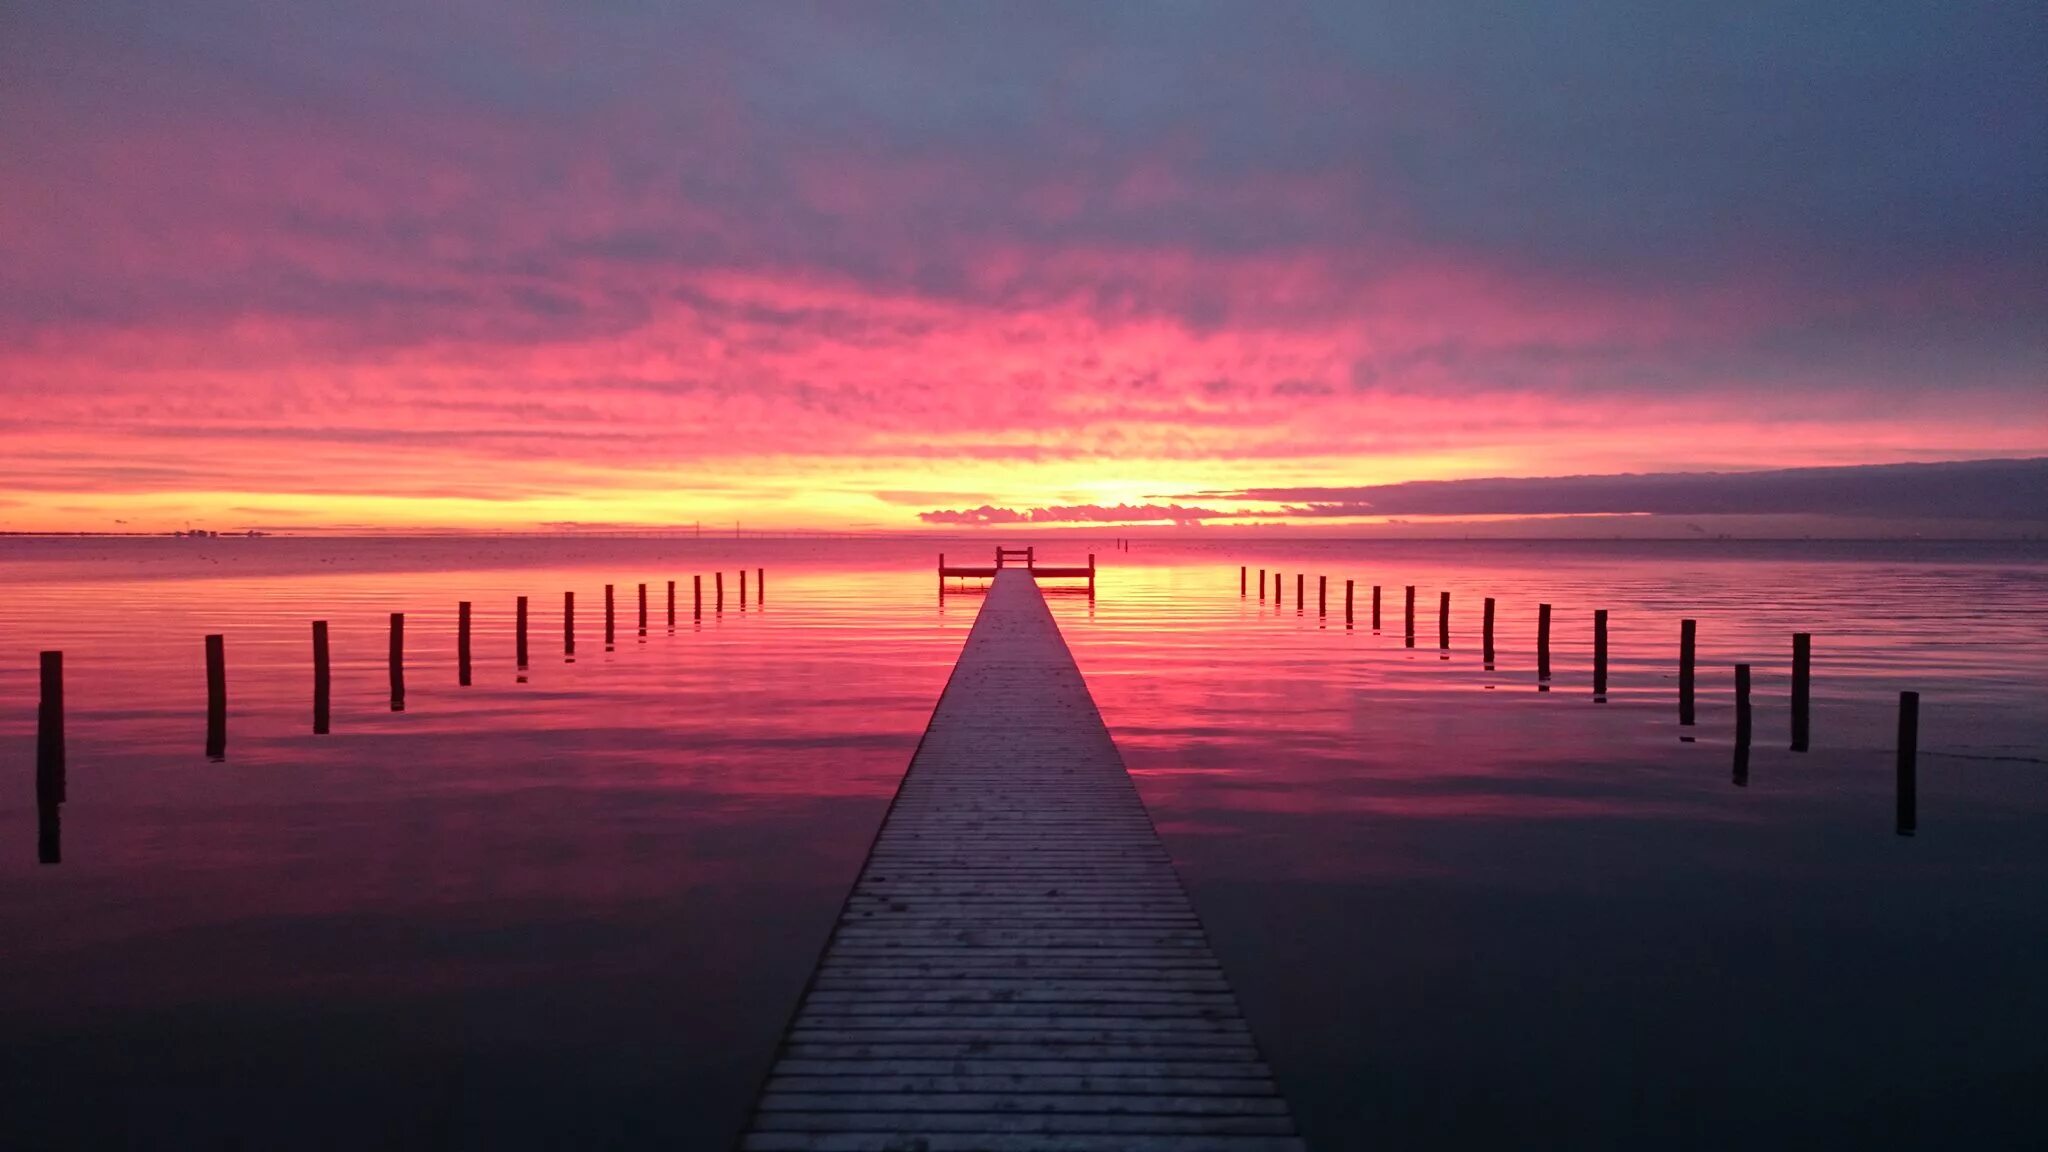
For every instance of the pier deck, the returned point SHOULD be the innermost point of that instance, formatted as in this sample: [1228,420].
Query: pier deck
[1017,966]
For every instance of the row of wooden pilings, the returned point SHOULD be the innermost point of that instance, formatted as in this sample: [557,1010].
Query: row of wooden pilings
[51,774]
[1907,789]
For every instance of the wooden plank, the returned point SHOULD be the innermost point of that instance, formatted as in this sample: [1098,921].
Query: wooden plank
[1018,966]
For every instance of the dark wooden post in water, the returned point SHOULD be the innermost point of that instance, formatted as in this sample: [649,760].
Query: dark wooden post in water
[608,616]
[1243,584]
[462,643]
[743,589]
[1262,585]
[718,591]
[398,661]
[1322,595]
[1486,634]
[323,683]
[50,782]
[671,603]
[1375,607]
[1408,615]
[1909,752]
[761,587]
[697,597]
[1091,577]
[1802,688]
[1300,582]
[643,609]
[569,624]
[1688,636]
[520,644]
[1542,645]
[1347,602]
[1600,656]
[216,698]
[1742,726]
[1443,620]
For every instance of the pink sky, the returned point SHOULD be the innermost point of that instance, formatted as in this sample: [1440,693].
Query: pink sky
[369,267]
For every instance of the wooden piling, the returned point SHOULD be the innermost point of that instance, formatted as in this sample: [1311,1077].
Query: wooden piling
[398,661]
[1688,635]
[760,587]
[462,643]
[1443,620]
[1486,634]
[1802,688]
[1347,601]
[569,624]
[671,603]
[697,596]
[50,769]
[1408,615]
[1908,753]
[1300,582]
[1262,585]
[323,680]
[1322,595]
[608,633]
[1600,656]
[1242,583]
[519,644]
[1542,642]
[743,589]
[718,591]
[1742,726]
[216,697]
[1375,607]
[643,609]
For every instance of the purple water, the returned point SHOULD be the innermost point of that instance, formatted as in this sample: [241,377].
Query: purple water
[574,906]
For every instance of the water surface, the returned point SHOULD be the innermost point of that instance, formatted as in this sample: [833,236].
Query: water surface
[574,904]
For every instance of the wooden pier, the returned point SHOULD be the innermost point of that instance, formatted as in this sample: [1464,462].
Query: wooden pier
[1006,558]
[1017,966]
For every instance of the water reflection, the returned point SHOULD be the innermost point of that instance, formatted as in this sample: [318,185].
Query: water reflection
[532,863]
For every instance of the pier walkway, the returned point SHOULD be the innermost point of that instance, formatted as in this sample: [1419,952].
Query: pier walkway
[1017,967]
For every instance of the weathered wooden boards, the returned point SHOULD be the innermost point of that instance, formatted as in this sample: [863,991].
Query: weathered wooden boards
[1017,966]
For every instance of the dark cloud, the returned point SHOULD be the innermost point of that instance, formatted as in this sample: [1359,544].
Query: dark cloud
[1967,490]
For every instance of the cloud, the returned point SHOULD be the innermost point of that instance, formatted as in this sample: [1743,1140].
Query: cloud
[1073,514]
[550,254]
[1967,490]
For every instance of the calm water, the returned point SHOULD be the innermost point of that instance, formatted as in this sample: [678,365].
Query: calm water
[573,906]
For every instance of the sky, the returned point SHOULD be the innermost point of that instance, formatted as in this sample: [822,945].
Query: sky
[527,265]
